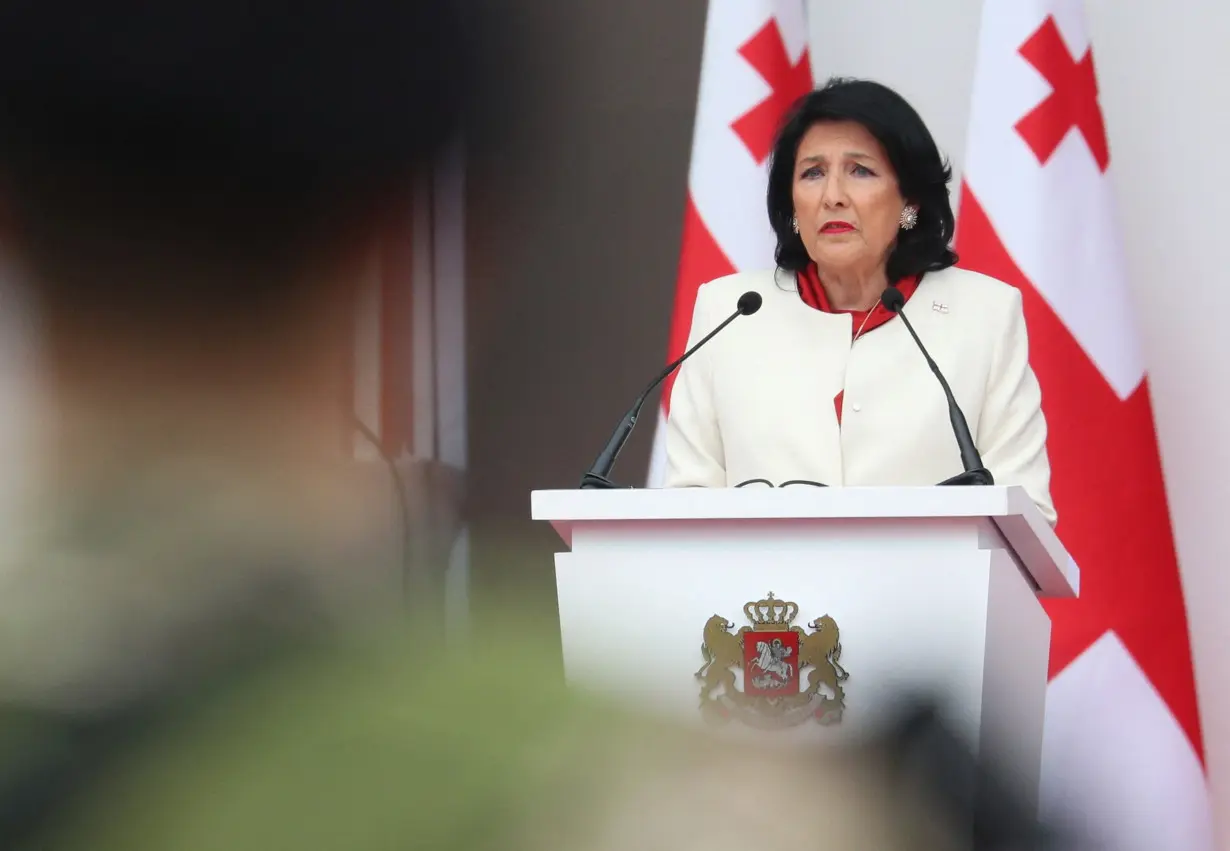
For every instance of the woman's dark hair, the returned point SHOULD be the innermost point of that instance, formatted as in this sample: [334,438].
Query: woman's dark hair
[922,174]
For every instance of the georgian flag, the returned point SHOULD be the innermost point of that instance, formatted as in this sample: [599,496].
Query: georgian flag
[1122,754]
[754,65]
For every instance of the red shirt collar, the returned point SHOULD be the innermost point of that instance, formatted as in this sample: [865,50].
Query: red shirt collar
[813,295]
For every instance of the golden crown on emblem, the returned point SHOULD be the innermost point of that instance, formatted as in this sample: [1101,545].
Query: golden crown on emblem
[771,613]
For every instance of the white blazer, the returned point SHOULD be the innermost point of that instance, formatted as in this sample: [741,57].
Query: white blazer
[756,402]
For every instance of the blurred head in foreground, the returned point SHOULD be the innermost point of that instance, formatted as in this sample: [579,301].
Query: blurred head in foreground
[189,191]
[191,194]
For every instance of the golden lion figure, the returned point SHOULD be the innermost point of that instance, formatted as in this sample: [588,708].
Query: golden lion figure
[822,651]
[721,651]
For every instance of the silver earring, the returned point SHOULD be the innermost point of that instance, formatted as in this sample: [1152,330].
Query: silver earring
[794,223]
[909,218]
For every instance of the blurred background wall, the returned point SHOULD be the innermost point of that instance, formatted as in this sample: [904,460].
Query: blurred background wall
[573,227]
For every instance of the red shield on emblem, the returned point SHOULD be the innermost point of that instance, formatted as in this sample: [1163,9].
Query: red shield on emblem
[771,663]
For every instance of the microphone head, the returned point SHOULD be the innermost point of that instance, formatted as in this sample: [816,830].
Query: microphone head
[750,302]
[892,299]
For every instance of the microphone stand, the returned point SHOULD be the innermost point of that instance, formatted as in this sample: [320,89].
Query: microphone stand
[975,473]
[596,478]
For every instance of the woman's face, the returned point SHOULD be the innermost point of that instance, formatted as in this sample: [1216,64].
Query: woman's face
[846,198]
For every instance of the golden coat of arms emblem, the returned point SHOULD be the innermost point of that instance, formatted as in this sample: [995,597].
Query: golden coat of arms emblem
[772,655]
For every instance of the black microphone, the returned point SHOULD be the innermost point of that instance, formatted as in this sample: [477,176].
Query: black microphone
[975,473]
[749,303]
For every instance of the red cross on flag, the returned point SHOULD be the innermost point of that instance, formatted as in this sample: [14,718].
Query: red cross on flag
[754,65]
[1122,749]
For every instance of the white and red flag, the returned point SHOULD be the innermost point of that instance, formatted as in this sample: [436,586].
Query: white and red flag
[754,65]
[1122,748]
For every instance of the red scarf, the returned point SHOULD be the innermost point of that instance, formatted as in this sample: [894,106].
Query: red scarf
[813,295]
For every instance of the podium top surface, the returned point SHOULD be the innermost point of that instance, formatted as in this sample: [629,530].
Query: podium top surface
[1027,533]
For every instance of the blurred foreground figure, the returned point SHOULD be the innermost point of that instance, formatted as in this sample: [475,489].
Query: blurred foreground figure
[192,655]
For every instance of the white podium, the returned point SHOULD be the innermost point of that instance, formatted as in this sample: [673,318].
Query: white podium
[805,613]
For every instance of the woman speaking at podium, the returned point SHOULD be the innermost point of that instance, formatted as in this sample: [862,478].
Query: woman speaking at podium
[825,384]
